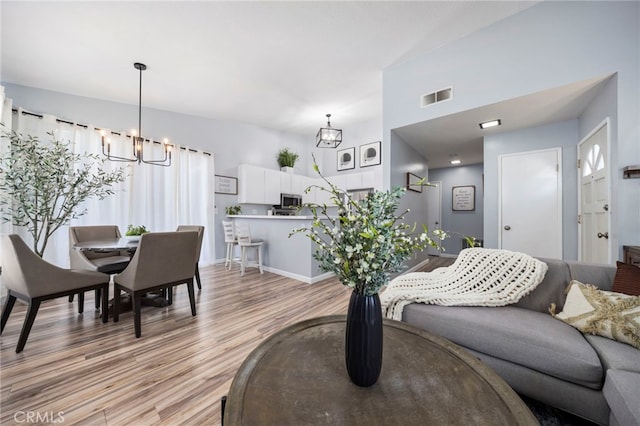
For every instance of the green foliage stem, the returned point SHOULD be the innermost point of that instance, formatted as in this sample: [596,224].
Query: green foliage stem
[367,241]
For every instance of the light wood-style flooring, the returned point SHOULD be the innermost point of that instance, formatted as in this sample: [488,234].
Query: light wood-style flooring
[76,369]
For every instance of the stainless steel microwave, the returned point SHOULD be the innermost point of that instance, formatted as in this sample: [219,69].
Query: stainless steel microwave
[290,201]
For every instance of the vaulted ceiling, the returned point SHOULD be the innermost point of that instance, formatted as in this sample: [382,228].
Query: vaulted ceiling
[277,64]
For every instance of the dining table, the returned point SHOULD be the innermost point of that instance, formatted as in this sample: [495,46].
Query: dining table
[130,245]
[108,244]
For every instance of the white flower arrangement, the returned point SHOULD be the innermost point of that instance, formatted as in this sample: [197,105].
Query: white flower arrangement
[367,241]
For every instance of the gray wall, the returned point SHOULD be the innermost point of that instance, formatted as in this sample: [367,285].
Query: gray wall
[548,45]
[467,223]
[563,135]
[415,202]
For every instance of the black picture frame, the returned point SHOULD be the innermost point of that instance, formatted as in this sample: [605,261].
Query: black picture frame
[414,182]
[463,198]
[346,159]
[225,185]
[370,154]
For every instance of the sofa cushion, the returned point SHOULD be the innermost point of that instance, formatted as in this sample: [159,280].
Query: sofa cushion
[550,290]
[615,355]
[593,273]
[622,391]
[532,339]
[604,313]
[627,279]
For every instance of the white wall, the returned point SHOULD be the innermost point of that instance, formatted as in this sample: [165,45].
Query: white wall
[548,45]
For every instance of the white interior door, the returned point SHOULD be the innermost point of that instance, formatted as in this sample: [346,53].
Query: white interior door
[530,203]
[594,212]
[434,209]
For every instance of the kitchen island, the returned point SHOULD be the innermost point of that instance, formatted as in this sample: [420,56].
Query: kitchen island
[290,257]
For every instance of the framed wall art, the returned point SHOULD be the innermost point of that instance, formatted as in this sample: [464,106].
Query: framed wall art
[347,158]
[463,198]
[414,182]
[225,185]
[370,154]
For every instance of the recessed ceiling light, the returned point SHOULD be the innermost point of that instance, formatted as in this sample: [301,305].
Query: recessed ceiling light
[491,123]
[455,161]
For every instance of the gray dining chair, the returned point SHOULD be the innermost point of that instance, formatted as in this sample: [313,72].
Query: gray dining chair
[162,260]
[30,278]
[109,262]
[200,230]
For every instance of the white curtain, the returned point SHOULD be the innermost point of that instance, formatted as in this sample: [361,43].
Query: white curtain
[160,198]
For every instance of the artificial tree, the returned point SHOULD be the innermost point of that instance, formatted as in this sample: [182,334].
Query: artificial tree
[42,185]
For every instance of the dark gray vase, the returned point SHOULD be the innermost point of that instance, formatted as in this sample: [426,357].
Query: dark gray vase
[363,340]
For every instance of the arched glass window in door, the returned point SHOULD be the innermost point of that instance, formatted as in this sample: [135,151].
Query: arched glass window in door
[594,161]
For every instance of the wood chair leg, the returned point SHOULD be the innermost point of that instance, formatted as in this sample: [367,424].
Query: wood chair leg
[198,277]
[169,291]
[81,302]
[135,298]
[116,303]
[192,298]
[8,307]
[34,305]
[70,298]
[105,303]
[97,301]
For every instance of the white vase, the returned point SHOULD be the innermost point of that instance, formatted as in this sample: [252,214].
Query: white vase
[286,169]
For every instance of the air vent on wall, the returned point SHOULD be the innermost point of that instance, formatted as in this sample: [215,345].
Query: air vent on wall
[435,97]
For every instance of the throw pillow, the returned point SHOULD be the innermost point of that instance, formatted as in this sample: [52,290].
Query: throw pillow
[604,313]
[627,279]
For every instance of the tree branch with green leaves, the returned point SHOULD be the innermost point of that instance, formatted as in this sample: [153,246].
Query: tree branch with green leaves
[43,184]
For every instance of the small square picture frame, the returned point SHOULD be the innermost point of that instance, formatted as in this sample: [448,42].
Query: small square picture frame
[370,154]
[346,159]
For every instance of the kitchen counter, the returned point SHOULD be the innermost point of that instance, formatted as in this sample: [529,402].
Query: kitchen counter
[264,216]
[290,257]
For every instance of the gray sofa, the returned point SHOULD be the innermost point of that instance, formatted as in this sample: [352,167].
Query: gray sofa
[542,357]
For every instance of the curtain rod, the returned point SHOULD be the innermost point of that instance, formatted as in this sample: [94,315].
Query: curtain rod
[40,116]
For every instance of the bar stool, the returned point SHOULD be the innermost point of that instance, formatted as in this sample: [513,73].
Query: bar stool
[231,241]
[243,234]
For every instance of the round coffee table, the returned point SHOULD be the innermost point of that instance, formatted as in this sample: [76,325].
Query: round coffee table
[298,377]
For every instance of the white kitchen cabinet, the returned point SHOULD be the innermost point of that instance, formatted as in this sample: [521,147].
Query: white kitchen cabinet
[272,186]
[362,180]
[258,185]
[304,182]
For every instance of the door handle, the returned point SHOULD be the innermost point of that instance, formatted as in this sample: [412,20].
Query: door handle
[507,227]
[605,235]
[605,207]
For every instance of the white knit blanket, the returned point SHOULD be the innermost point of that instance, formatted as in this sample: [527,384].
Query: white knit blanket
[478,277]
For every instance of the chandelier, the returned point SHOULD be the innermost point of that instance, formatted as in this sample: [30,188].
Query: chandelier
[137,141]
[328,137]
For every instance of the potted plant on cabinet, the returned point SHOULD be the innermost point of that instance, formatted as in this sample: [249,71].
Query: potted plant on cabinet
[287,160]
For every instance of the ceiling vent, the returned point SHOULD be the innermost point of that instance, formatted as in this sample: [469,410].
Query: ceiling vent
[435,97]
